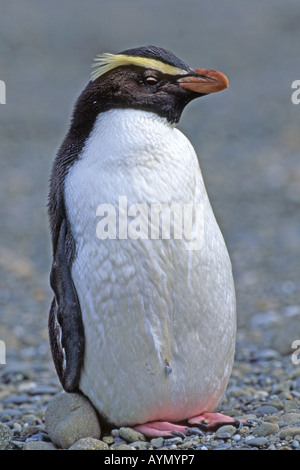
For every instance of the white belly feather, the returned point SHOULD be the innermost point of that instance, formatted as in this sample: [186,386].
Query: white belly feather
[147,304]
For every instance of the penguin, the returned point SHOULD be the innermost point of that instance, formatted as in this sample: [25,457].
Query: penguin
[143,319]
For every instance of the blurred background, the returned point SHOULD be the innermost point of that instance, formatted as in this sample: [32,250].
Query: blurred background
[247,139]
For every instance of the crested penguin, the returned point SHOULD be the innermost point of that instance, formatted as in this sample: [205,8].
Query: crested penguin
[143,319]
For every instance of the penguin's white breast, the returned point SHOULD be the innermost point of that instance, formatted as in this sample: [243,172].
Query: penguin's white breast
[147,304]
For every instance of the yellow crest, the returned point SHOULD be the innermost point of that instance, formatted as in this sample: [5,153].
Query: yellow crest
[106,62]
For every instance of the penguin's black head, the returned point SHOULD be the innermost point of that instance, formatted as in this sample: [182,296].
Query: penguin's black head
[148,78]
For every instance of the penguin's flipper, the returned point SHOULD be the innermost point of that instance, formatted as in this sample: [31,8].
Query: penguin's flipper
[65,322]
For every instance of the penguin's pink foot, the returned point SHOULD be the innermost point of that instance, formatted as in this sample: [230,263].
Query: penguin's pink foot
[212,421]
[205,422]
[161,429]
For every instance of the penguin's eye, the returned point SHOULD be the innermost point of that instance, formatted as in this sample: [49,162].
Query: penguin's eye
[151,80]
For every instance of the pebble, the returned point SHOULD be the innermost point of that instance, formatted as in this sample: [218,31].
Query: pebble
[266,429]
[6,436]
[257,442]
[69,417]
[140,445]
[88,443]
[172,441]
[28,431]
[226,432]
[130,435]
[108,439]
[265,354]
[291,418]
[17,399]
[118,442]
[157,442]
[289,431]
[11,412]
[17,428]
[124,447]
[295,444]
[266,410]
[43,390]
[30,419]
[224,446]
[38,445]
[5,418]
[191,443]
[290,405]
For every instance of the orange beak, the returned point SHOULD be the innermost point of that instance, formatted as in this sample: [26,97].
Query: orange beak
[206,81]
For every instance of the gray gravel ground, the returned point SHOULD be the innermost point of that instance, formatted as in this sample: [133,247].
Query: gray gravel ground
[248,142]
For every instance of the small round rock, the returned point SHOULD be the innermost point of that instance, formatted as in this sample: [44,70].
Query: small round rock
[266,429]
[258,442]
[88,443]
[6,436]
[295,444]
[226,432]
[289,431]
[70,417]
[39,445]
[266,410]
[157,442]
[125,447]
[130,435]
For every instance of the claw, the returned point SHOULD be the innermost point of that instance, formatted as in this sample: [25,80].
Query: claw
[192,431]
[180,434]
[238,423]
